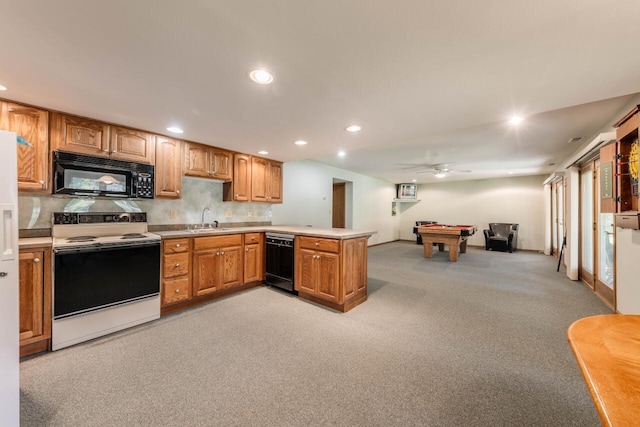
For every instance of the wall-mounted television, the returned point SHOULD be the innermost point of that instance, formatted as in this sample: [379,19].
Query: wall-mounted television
[407,191]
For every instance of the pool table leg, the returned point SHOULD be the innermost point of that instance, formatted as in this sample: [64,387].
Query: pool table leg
[428,248]
[453,252]
[463,246]
[441,247]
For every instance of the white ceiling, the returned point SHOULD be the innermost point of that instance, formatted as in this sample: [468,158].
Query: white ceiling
[429,81]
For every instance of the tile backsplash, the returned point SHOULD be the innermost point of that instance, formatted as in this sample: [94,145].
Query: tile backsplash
[35,212]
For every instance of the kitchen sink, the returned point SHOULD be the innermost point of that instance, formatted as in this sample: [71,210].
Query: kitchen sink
[206,230]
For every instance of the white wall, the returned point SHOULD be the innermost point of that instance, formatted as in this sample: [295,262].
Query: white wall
[517,200]
[307,193]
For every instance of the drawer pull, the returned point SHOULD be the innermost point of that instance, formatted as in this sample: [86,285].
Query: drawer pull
[177,291]
[221,253]
[177,245]
[36,260]
[246,250]
[177,264]
[317,244]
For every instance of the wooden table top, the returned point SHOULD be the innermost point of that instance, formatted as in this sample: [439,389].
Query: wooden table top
[607,349]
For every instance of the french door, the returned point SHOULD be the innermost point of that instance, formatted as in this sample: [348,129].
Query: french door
[596,236]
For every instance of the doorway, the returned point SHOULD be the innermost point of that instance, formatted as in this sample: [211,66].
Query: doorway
[339,203]
[342,204]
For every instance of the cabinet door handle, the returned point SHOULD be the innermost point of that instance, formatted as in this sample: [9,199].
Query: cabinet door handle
[41,182]
[106,150]
[114,152]
[246,250]
[221,253]
[177,245]
[317,244]
[177,191]
[217,253]
[36,260]
[177,264]
[177,291]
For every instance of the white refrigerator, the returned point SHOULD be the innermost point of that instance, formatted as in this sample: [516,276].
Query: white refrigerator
[9,284]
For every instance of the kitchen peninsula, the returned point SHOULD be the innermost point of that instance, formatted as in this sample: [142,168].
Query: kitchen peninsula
[330,264]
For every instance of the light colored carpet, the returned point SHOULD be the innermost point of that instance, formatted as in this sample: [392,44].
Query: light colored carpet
[480,342]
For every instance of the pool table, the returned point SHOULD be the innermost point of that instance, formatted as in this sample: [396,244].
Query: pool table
[453,235]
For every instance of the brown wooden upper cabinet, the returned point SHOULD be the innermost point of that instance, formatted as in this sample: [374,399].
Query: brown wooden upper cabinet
[207,162]
[266,180]
[91,137]
[239,190]
[625,164]
[168,168]
[32,124]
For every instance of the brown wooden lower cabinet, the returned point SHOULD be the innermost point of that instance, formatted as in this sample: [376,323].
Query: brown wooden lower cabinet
[254,257]
[35,300]
[217,263]
[176,258]
[331,272]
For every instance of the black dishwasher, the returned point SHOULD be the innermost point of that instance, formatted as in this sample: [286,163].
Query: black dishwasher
[280,261]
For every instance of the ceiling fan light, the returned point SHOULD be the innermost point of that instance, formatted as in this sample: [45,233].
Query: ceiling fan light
[440,174]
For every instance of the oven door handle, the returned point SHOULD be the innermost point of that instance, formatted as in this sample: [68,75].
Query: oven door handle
[103,247]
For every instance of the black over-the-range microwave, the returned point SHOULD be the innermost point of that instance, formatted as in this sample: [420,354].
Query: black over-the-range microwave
[80,175]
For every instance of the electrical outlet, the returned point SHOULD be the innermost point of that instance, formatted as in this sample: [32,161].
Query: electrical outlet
[228,213]
[173,214]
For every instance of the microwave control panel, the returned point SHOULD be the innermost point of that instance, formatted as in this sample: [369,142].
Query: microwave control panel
[143,185]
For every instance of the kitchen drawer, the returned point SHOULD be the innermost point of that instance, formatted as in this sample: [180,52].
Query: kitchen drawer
[173,246]
[175,265]
[175,290]
[251,238]
[213,242]
[319,244]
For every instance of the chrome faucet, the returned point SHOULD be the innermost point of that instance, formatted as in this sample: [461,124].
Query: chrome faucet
[203,212]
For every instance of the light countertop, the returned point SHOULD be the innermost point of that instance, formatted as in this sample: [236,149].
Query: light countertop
[330,233]
[34,242]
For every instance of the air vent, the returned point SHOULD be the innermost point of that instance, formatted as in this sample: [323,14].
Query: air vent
[575,140]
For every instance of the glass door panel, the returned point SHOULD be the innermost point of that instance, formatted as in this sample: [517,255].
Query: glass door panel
[605,252]
[586,226]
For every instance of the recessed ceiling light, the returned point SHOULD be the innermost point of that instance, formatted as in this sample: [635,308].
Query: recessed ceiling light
[175,129]
[510,172]
[414,180]
[262,77]
[263,152]
[516,119]
[300,142]
[354,128]
[341,153]
[3,87]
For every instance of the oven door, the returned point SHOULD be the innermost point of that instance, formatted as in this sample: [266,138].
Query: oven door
[89,279]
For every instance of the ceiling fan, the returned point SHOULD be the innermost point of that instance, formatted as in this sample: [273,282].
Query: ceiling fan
[438,170]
